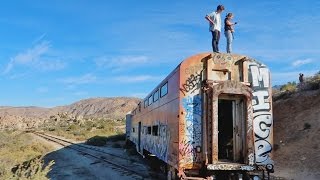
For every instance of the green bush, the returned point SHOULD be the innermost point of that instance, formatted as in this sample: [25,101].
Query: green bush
[97,141]
[32,169]
[290,86]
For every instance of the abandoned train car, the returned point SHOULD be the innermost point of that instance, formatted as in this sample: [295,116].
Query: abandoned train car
[211,115]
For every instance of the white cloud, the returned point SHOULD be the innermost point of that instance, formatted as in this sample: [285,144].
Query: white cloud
[140,78]
[37,57]
[121,62]
[84,79]
[301,62]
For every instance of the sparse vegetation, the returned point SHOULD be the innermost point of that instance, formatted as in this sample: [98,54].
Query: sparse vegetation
[85,129]
[311,83]
[21,156]
[286,90]
[290,86]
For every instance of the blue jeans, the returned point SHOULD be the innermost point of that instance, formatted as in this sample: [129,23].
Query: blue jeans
[215,40]
[229,37]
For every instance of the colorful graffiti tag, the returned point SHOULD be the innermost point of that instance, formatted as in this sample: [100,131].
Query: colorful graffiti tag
[191,103]
[158,145]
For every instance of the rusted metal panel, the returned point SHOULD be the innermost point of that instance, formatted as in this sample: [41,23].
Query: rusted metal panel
[190,124]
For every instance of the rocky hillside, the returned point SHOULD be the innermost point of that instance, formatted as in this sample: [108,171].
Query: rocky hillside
[296,135]
[29,117]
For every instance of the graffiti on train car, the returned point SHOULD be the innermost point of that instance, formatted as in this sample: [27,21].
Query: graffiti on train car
[191,103]
[192,83]
[230,167]
[158,145]
[192,107]
[261,103]
[223,60]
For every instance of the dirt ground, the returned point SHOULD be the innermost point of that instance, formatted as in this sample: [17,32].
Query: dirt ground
[70,165]
[296,136]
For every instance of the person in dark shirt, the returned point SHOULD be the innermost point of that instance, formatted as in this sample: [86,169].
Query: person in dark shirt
[229,30]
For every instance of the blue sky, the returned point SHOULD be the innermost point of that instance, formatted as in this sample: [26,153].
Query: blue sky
[57,52]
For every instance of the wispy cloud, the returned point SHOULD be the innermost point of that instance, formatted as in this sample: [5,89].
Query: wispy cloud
[121,62]
[84,79]
[42,89]
[139,78]
[301,62]
[36,57]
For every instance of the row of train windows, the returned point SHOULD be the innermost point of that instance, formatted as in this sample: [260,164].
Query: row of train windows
[149,130]
[155,96]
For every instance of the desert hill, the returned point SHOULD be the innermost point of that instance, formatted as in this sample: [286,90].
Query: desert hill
[30,117]
[296,135]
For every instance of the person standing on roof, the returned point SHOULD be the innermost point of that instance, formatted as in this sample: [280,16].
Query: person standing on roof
[229,30]
[214,19]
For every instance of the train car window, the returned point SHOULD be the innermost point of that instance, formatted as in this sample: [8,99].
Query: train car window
[146,103]
[149,129]
[156,96]
[144,130]
[164,90]
[155,130]
[150,100]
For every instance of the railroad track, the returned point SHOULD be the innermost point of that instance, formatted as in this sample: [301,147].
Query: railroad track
[98,154]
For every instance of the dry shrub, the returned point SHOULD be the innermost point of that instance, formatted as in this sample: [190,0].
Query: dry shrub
[20,148]
[97,141]
[32,169]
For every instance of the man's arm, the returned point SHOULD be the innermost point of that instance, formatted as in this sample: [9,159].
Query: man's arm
[209,19]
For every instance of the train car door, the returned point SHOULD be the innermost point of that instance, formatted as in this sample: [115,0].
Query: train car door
[139,136]
[231,132]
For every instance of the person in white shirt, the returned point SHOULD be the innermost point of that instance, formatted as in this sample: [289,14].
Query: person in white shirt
[214,19]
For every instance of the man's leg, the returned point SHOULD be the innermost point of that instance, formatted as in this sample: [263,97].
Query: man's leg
[218,39]
[215,40]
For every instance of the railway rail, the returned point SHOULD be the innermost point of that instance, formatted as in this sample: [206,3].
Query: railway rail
[98,154]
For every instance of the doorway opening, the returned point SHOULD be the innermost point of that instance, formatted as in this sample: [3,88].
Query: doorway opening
[232,114]
[225,129]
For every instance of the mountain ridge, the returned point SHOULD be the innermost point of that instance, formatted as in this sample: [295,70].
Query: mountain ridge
[23,117]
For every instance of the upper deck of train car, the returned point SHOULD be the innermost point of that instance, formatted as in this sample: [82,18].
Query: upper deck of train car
[222,67]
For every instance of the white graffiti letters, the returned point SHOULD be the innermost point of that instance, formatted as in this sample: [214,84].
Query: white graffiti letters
[261,103]
[262,148]
[259,76]
[262,124]
[259,100]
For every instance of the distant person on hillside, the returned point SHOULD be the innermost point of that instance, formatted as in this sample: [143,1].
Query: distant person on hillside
[214,19]
[301,78]
[229,30]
